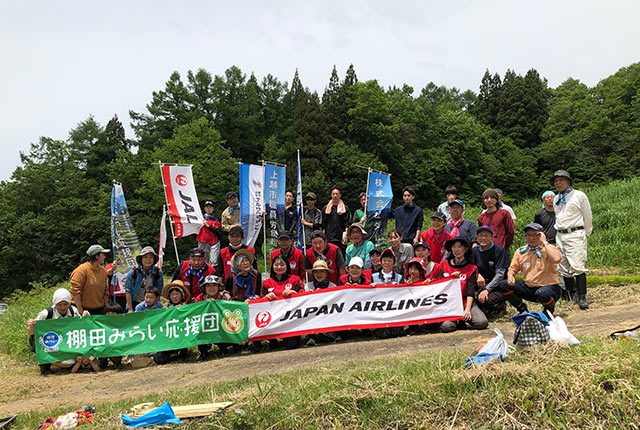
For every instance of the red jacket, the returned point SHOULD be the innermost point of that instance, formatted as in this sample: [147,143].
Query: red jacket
[365,279]
[277,287]
[330,255]
[465,273]
[202,297]
[502,225]
[437,248]
[192,283]
[206,234]
[295,259]
[225,256]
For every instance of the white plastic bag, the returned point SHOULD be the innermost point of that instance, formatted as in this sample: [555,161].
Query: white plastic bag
[497,345]
[559,332]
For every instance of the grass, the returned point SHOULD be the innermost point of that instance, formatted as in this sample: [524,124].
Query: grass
[593,385]
[614,245]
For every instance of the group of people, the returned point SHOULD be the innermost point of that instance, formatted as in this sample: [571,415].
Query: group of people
[478,254]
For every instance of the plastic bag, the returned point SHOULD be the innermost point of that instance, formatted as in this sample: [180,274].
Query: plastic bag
[496,345]
[160,415]
[482,358]
[559,332]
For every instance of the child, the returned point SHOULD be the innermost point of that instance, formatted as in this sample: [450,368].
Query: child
[360,246]
[212,289]
[355,276]
[111,309]
[436,236]
[151,300]
[244,282]
[458,264]
[208,239]
[415,272]
[432,270]
[178,295]
[386,275]
[376,265]
[319,276]
[282,284]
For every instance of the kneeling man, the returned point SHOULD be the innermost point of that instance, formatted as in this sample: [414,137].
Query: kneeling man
[538,262]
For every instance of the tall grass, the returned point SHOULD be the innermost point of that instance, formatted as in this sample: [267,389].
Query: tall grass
[592,385]
[13,323]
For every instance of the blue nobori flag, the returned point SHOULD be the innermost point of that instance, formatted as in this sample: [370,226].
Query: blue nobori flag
[275,189]
[299,229]
[378,205]
[251,201]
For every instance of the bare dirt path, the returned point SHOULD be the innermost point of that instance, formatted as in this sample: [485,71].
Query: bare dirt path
[22,389]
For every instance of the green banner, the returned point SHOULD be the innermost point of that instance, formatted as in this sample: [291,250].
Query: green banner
[141,332]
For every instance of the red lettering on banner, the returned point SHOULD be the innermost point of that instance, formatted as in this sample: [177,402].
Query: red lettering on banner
[181,180]
[263,319]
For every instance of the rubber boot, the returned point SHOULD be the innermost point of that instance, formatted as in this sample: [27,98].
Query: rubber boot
[581,284]
[569,291]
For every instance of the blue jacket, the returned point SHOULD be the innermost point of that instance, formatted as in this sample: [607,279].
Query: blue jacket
[133,284]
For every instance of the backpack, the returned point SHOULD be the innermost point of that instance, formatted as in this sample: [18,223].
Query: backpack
[134,275]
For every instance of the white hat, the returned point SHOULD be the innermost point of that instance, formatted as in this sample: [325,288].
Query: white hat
[61,295]
[356,261]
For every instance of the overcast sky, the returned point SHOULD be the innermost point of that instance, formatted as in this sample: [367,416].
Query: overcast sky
[65,60]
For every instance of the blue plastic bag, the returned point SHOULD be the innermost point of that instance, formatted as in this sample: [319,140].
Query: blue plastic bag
[540,316]
[482,358]
[160,415]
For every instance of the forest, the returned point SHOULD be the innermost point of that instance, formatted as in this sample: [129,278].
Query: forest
[512,133]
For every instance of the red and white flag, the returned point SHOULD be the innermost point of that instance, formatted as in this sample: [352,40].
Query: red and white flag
[355,307]
[184,206]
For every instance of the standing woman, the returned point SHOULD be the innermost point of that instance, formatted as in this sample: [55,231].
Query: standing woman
[280,284]
[89,286]
[144,276]
[402,251]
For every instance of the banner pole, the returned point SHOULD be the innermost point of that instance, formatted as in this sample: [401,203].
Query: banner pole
[113,242]
[166,208]
[304,239]
[264,222]
[366,206]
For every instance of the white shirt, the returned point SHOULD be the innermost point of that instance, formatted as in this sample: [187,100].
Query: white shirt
[43,314]
[575,213]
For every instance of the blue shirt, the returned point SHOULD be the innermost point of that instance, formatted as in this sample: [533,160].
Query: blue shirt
[142,306]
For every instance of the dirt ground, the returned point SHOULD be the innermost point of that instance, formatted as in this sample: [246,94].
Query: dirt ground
[22,389]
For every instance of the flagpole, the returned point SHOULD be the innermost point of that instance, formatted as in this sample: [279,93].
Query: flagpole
[164,186]
[304,240]
[264,220]
[115,254]
[367,204]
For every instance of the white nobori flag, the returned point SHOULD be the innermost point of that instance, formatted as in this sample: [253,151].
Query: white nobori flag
[184,207]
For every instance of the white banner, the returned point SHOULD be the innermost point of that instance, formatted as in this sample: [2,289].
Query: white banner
[182,199]
[251,201]
[355,307]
